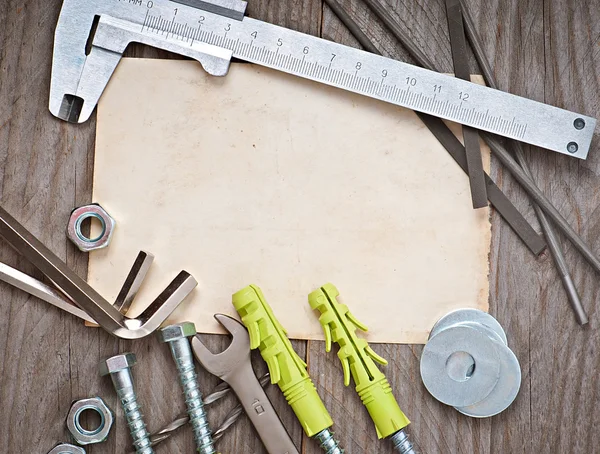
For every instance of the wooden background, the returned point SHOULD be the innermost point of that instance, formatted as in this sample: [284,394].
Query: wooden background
[548,50]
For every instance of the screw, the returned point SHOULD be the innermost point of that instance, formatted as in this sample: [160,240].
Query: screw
[119,368]
[328,444]
[402,444]
[177,338]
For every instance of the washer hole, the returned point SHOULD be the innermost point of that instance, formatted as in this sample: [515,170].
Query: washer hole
[579,123]
[93,420]
[460,366]
[85,221]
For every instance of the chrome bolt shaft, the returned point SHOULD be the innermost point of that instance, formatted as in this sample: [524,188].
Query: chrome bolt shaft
[402,444]
[177,338]
[328,444]
[119,368]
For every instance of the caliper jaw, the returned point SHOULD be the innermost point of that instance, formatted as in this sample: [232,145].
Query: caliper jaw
[110,41]
[78,80]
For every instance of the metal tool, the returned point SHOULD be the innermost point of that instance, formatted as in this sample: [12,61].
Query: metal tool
[119,369]
[358,360]
[42,291]
[220,391]
[449,363]
[458,45]
[80,292]
[213,31]
[47,293]
[235,367]
[549,233]
[519,170]
[438,128]
[287,369]
[176,336]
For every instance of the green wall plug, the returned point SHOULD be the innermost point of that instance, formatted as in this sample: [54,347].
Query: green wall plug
[358,360]
[287,369]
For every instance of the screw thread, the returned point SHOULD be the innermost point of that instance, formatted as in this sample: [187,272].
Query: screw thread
[195,406]
[402,444]
[328,444]
[135,421]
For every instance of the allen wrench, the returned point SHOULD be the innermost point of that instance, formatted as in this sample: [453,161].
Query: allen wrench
[95,308]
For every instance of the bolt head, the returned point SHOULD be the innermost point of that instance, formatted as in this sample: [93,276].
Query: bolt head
[179,331]
[117,363]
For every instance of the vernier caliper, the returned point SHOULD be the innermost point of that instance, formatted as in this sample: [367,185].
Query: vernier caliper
[92,35]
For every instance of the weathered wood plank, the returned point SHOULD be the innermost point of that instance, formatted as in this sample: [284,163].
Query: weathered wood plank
[547,50]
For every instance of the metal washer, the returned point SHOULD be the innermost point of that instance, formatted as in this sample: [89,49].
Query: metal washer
[468,315]
[434,361]
[505,391]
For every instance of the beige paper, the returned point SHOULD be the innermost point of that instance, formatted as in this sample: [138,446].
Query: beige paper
[261,177]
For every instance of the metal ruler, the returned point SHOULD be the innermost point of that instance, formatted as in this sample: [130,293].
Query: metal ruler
[91,36]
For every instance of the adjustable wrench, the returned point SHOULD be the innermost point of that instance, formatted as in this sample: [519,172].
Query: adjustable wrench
[234,367]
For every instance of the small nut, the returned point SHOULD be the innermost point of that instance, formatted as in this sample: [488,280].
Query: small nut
[179,331]
[83,436]
[65,448]
[79,215]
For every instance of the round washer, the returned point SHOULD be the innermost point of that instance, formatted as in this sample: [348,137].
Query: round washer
[438,355]
[483,329]
[468,315]
[66,448]
[506,389]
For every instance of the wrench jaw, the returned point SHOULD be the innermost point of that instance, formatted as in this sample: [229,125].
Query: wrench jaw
[221,364]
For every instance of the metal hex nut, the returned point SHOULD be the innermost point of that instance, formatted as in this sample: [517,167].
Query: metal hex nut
[65,448]
[99,434]
[74,233]
[179,331]
[117,363]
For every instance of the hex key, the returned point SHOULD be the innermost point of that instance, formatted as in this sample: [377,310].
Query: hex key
[40,290]
[551,238]
[507,210]
[133,281]
[105,314]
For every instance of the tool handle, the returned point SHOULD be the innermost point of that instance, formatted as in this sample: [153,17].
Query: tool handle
[260,411]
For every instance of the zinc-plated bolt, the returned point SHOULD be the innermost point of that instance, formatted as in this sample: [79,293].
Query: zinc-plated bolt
[328,444]
[177,338]
[119,368]
[402,444]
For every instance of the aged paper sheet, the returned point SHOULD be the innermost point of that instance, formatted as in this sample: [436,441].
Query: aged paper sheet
[261,177]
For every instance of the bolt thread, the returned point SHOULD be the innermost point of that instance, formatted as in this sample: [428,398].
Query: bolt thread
[402,444]
[195,406]
[328,444]
[135,421]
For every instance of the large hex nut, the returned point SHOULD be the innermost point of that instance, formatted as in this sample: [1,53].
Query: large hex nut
[83,436]
[65,448]
[75,234]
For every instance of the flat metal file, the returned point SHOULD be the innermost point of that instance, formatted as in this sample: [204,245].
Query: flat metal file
[438,128]
[516,170]
[78,79]
[458,45]
[554,245]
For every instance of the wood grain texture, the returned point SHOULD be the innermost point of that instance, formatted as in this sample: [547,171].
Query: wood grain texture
[548,50]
